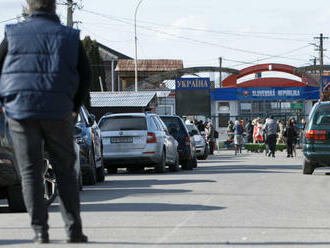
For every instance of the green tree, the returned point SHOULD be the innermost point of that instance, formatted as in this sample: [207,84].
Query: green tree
[96,64]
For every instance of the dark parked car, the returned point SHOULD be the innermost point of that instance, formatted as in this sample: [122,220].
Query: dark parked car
[316,143]
[88,136]
[10,180]
[186,147]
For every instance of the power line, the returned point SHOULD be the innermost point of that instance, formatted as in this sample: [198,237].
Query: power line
[269,57]
[224,32]
[12,19]
[191,39]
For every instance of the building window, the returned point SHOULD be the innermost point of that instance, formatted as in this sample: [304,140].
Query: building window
[223,107]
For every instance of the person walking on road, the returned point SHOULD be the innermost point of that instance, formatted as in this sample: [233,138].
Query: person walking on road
[257,132]
[280,132]
[271,129]
[249,131]
[209,136]
[238,137]
[45,76]
[290,135]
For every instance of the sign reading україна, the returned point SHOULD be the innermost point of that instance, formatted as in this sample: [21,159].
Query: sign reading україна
[192,96]
[192,83]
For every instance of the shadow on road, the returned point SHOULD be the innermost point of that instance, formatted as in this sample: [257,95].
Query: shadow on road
[146,207]
[203,244]
[14,241]
[110,190]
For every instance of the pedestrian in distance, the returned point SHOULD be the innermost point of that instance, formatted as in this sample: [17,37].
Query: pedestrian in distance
[264,135]
[230,130]
[238,137]
[280,138]
[209,136]
[249,131]
[290,135]
[257,131]
[295,140]
[271,129]
[45,77]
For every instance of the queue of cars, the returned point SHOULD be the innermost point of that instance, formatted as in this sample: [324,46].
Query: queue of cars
[131,140]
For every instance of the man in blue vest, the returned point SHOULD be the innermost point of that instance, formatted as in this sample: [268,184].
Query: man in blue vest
[45,76]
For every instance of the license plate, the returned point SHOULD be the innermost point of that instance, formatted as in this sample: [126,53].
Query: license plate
[121,140]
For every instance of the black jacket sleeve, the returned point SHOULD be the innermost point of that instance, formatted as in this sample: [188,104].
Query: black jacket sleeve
[85,78]
[3,52]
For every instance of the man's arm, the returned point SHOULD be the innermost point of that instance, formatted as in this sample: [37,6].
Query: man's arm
[85,78]
[3,52]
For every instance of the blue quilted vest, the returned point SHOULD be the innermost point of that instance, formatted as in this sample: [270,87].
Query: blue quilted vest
[39,77]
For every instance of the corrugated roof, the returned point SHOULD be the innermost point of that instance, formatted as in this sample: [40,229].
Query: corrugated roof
[121,99]
[159,65]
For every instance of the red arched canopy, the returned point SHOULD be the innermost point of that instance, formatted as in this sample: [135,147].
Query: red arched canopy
[307,79]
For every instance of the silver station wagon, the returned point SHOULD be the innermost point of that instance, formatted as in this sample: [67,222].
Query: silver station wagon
[137,140]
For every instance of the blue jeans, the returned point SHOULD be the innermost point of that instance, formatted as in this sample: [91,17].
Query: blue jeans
[28,138]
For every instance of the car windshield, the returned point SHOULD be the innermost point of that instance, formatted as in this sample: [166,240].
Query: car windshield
[322,116]
[123,123]
[191,127]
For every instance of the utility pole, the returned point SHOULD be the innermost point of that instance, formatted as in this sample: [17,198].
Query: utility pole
[314,59]
[135,48]
[220,74]
[69,19]
[321,50]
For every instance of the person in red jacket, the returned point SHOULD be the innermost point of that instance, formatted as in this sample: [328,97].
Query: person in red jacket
[257,133]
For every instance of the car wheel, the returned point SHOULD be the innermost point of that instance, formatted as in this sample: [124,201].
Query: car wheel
[50,185]
[15,199]
[206,153]
[194,162]
[187,164]
[100,174]
[308,168]
[175,166]
[160,166]
[90,177]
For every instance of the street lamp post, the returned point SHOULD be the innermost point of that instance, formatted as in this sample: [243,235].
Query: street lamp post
[136,66]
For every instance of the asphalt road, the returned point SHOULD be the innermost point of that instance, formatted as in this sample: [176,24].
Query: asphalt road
[244,201]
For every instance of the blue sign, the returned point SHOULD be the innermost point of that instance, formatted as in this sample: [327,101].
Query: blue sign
[192,83]
[266,93]
[325,81]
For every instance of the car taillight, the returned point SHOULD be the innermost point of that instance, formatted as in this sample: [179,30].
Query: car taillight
[316,134]
[187,141]
[151,138]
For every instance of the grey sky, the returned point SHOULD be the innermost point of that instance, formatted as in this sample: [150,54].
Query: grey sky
[201,31]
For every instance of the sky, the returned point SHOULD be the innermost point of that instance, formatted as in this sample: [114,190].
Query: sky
[242,32]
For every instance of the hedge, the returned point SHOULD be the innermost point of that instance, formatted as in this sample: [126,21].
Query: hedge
[252,147]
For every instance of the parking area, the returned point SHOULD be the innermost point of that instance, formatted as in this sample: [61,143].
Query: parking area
[247,200]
